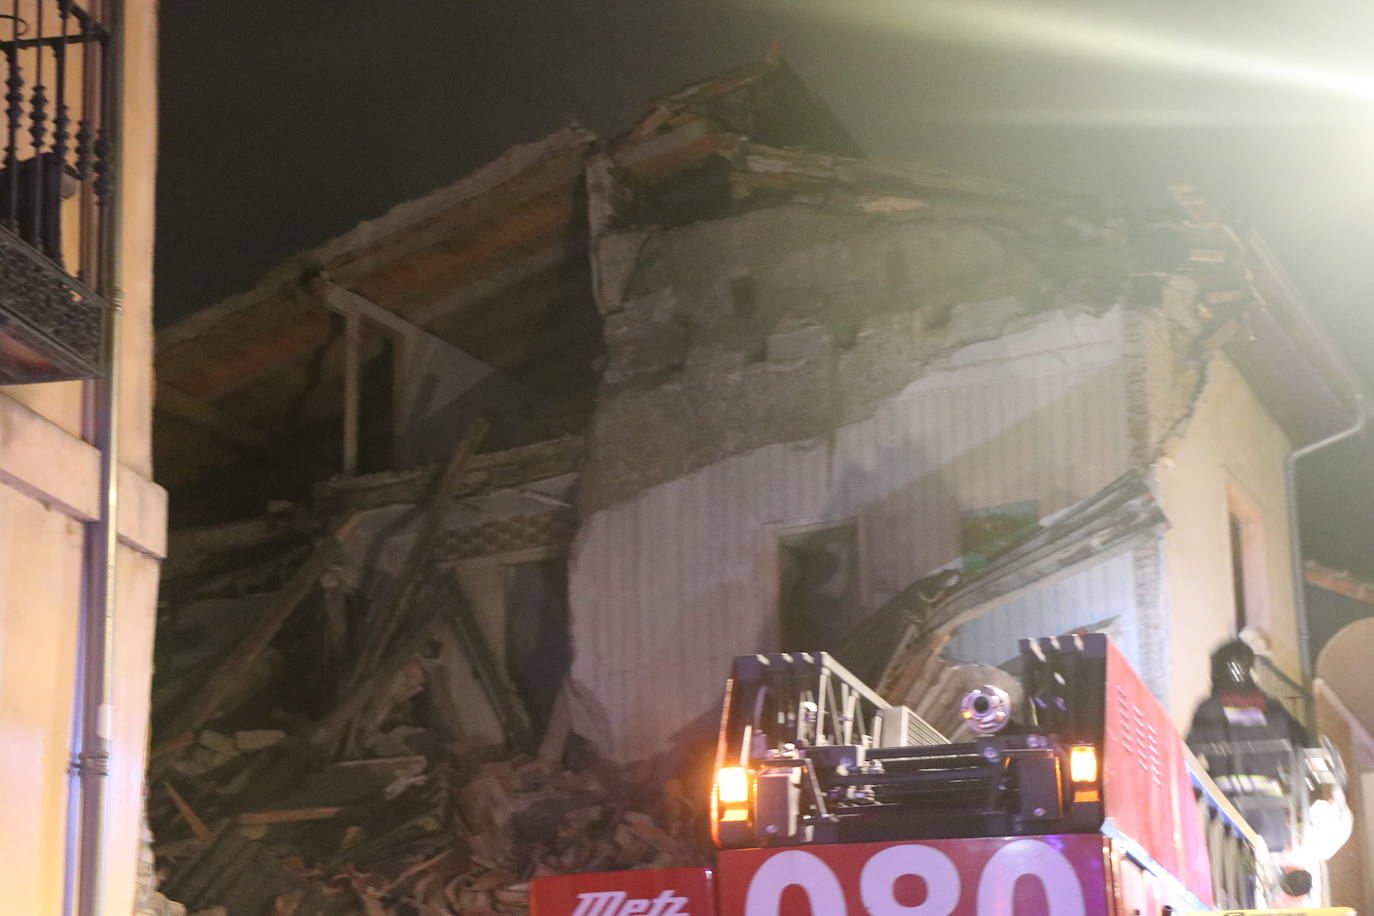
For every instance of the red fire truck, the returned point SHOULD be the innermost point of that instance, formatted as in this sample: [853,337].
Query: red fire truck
[1079,799]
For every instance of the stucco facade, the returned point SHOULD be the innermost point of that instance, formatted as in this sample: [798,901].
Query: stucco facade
[49,497]
[1231,450]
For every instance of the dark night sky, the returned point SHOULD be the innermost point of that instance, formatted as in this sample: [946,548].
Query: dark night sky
[285,122]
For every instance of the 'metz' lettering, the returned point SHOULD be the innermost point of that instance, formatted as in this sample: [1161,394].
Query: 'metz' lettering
[618,903]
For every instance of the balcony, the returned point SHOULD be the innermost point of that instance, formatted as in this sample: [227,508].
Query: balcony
[56,187]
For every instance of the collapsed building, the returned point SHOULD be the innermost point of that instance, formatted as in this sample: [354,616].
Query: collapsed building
[519,467]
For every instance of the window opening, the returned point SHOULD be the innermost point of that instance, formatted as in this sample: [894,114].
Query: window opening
[818,593]
[1237,528]
[1249,567]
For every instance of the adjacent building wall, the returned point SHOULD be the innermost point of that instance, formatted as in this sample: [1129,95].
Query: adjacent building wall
[1230,448]
[49,491]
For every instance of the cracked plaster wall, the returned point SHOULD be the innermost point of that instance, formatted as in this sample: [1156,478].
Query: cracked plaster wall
[781,325]
[788,369]
[796,367]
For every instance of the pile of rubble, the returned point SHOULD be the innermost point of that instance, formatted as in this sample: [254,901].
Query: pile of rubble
[408,835]
[310,756]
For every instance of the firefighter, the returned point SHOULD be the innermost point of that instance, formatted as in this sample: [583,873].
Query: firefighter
[1250,744]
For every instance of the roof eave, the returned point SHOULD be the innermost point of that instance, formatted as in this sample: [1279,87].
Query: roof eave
[1288,358]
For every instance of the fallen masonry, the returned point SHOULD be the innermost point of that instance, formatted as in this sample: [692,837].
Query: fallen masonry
[296,775]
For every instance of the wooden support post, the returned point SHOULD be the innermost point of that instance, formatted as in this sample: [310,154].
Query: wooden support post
[403,370]
[352,369]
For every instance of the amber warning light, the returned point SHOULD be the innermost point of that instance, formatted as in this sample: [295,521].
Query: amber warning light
[1083,763]
[732,785]
[730,803]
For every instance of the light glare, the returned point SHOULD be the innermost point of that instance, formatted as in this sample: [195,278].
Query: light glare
[1016,25]
[732,785]
[1083,763]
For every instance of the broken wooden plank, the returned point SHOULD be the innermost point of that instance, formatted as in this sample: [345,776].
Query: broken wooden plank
[198,828]
[485,473]
[391,611]
[352,378]
[377,677]
[383,654]
[202,705]
[289,815]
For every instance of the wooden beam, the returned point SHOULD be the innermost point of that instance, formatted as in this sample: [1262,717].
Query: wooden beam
[470,219]
[1338,581]
[385,652]
[284,328]
[388,615]
[465,294]
[351,305]
[404,375]
[355,307]
[288,815]
[200,707]
[408,338]
[352,371]
[198,828]
[486,473]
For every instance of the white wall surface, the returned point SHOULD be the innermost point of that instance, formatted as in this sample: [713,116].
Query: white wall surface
[668,586]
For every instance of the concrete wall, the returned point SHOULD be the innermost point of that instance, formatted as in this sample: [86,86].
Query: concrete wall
[766,376]
[49,491]
[1229,448]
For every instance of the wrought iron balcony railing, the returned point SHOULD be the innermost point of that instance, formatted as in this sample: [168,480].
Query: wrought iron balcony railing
[56,186]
